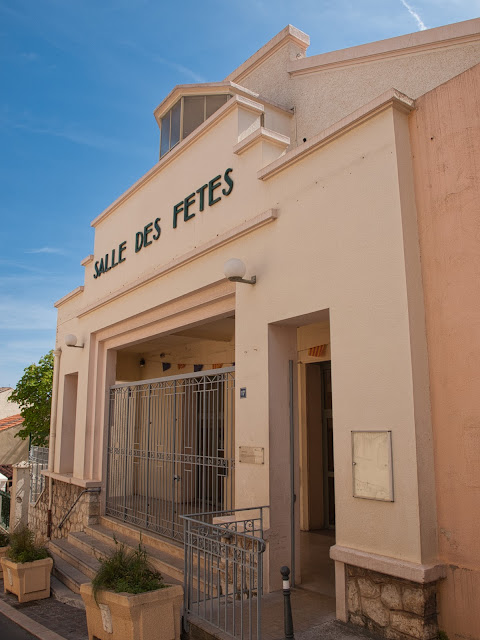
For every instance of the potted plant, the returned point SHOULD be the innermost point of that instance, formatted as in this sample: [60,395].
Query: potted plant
[128,600]
[3,548]
[26,567]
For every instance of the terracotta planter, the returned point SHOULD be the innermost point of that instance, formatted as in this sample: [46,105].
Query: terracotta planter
[154,615]
[27,580]
[3,551]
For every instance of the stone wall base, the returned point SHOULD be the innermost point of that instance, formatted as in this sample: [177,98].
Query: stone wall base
[391,607]
[86,511]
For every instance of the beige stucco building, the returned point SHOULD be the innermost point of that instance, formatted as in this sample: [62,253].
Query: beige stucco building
[339,388]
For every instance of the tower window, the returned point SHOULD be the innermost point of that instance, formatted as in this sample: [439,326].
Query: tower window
[185,116]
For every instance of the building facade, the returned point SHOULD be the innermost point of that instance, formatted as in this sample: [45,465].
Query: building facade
[338,388]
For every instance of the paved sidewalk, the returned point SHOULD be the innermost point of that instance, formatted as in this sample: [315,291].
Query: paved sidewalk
[62,621]
[335,630]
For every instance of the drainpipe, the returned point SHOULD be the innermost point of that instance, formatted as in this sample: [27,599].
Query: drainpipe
[292,471]
[53,434]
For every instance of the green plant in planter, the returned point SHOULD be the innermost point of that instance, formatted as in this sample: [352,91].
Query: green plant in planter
[3,539]
[23,548]
[127,572]
[26,567]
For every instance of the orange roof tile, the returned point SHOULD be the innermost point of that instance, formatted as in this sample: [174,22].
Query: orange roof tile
[11,421]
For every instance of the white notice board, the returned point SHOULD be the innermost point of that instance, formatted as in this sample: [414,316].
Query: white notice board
[372,465]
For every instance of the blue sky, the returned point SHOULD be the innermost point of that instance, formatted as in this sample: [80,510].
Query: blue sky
[79,81]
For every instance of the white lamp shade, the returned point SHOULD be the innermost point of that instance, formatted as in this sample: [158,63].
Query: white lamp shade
[70,340]
[234,268]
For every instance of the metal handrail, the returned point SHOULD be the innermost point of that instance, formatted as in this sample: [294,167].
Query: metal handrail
[91,490]
[224,572]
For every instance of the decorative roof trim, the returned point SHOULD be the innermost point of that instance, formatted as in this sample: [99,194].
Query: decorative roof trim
[267,135]
[290,33]
[233,234]
[440,37]
[87,260]
[68,297]
[236,101]
[215,88]
[390,98]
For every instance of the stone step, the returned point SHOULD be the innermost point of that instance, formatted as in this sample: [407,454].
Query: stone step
[85,562]
[67,574]
[149,538]
[63,594]
[100,538]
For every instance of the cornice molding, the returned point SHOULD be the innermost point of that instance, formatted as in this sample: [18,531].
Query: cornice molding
[389,99]
[421,573]
[87,260]
[229,236]
[261,134]
[69,296]
[289,34]
[236,101]
[421,41]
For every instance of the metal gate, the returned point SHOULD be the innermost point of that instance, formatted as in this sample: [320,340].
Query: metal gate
[171,449]
[224,571]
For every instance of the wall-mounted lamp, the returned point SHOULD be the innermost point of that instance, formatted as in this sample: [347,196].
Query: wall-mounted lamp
[71,341]
[142,362]
[234,269]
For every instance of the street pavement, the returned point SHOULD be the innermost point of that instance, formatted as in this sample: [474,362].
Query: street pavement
[11,631]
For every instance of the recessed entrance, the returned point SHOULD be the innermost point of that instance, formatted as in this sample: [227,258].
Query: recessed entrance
[171,432]
[318,527]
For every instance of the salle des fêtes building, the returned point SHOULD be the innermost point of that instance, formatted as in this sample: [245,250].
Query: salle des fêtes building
[339,387]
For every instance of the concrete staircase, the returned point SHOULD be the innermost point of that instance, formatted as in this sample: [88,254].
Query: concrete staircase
[77,557]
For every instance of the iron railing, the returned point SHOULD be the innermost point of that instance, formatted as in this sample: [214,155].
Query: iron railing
[38,459]
[5,500]
[171,449]
[224,570]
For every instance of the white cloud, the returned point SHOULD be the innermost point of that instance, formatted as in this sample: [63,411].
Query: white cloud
[420,24]
[61,252]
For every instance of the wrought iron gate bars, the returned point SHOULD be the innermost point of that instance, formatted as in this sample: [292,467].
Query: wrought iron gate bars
[224,570]
[38,459]
[171,449]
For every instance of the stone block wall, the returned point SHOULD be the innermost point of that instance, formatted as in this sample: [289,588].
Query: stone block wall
[394,608]
[86,510]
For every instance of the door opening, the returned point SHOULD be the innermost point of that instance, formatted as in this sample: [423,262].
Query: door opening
[318,531]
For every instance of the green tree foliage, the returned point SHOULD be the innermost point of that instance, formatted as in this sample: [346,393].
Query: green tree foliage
[33,394]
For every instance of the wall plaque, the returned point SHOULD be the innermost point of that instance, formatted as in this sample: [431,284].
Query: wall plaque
[252,455]
[372,465]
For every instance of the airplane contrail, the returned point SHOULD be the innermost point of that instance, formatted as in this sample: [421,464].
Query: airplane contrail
[414,14]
